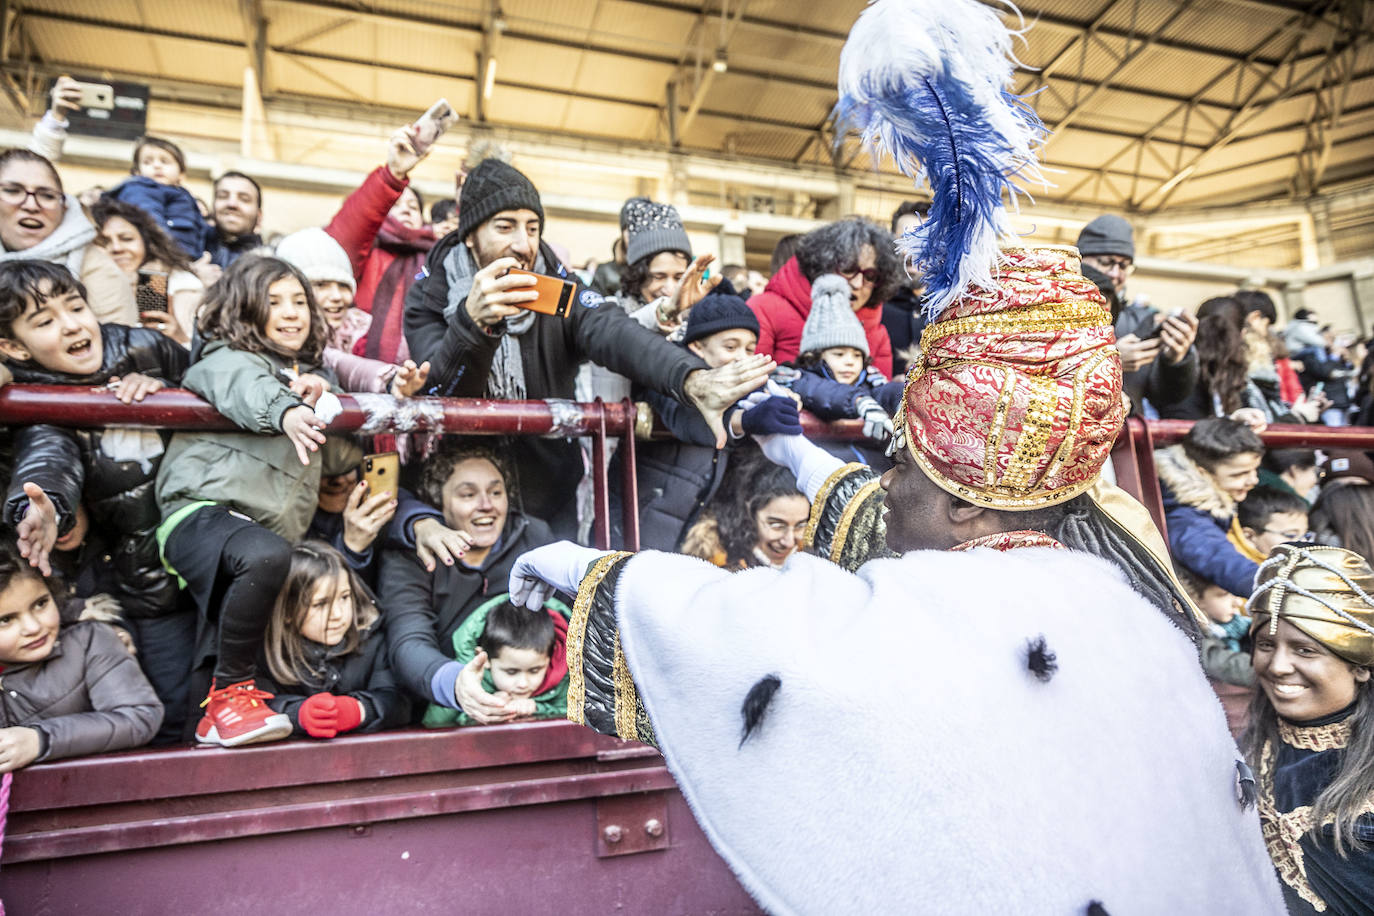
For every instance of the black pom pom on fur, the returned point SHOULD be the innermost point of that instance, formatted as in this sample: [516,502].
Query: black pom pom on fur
[1246,790]
[756,704]
[1040,660]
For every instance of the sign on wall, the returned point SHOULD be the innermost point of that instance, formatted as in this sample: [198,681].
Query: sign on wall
[110,108]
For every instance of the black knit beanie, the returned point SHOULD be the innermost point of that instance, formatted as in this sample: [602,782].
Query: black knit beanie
[719,310]
[490,188]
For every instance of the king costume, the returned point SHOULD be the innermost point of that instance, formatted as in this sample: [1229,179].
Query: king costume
[1019,725]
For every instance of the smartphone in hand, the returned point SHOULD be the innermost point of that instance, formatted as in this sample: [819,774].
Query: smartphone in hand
[555,295]
[382,471]
[151,292]
[432,124]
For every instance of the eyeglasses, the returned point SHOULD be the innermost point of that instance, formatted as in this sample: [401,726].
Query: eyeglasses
[870,275]
[1304,536]
[1108,264]
[16,194]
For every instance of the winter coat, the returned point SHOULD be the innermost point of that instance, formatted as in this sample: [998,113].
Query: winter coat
[422,609]
[782,308]
[386,258]
[72,244]
[76,465]
[830,400]
[224,252]
[547,471]
[253,470]
[363,674]
[1198,515]
[1161,382]
[904,321]
[606,279]
[87,697]
[674,478]
[172,207]
[550,699]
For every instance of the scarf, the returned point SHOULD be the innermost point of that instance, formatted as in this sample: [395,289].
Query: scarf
[67,243]
[408,248]
[506,379]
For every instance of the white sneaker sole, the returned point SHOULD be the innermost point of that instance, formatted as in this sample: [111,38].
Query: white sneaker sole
[273,728]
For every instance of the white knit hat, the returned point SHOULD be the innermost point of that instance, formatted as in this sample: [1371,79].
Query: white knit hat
[316,254]
[832,322]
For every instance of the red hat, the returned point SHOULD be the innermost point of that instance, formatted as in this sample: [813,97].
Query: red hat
[1015,399]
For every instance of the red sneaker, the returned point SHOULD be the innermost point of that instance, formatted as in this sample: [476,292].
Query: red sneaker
[236,715]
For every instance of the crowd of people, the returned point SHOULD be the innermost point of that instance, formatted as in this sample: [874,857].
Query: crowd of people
[241,586]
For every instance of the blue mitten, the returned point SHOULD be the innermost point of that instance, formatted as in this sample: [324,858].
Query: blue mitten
[772,416]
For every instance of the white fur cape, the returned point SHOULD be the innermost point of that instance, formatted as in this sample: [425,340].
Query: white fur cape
[910,761]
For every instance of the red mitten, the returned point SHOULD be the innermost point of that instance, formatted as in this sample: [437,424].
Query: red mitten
[350,714]
[319,715]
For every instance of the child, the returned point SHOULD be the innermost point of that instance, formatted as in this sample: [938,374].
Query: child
[327,653]
[833,375]
[1267,517]
[158,168]
[233,502]
[71,687]
[1310,727]
[1224,659]
[1202,479]
[521,654]
[50,336]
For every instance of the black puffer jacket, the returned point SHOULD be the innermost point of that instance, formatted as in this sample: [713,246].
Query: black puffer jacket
[71,467]
[363,674]
[547,471]
[420,609]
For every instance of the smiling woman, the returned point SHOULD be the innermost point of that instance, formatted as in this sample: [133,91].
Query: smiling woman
[143,251]
[39,221]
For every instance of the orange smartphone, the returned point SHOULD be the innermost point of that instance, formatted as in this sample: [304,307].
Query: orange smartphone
[382,471]
[555,295]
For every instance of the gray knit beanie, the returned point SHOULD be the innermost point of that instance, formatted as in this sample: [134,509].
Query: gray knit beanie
[316,254]
[832,322]
[653,228]
[1108,234]
[629,208]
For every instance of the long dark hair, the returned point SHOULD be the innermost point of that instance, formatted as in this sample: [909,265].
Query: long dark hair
[157,244]
[1344,517]
[283,644]
[754,483]
[1346,795]
[235,308]
[634,276]
[1222,361]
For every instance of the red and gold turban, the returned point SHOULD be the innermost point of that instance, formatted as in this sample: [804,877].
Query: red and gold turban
[1015,399]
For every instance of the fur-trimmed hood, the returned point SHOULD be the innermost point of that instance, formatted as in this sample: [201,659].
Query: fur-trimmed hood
[1191,485]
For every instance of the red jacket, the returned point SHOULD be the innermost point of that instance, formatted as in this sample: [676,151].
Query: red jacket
[782,308]
[385,255]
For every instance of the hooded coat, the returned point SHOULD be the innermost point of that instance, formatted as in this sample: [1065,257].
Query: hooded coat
[1198,516]
[782,308]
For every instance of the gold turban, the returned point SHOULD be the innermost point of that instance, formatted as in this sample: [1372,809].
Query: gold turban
[1326,592]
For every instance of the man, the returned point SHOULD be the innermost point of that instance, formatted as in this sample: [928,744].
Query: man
[468,317]
[1143,334]
[238,217]
[902,315]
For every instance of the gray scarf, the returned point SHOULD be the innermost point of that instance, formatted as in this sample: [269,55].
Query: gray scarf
[66,245]
[507,377]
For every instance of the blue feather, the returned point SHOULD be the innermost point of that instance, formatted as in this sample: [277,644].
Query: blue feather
[925,82]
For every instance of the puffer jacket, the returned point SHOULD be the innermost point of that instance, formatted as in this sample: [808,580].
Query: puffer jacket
[76,465]
[171,207]
[254,471]
[1198,516]
[88,697]
[420,609]
[782,308]
[363,674]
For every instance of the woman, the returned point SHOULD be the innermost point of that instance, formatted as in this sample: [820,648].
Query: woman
[382,228]
[854,248]
[1343,516]
[1311,735]
[423,608]
[38,220]
[759,518]
[138,244]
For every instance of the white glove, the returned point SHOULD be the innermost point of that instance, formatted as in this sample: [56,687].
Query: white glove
[556,567]
[810,464]
[877,424]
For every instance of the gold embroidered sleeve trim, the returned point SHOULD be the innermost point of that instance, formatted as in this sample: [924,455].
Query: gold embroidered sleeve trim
[626,697]
[851,509]
[823,495]
[577,634]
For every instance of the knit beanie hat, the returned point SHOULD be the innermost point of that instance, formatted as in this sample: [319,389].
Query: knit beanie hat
[832,322]
[719,310]
[490,188]
[1108,234]
[316,254]
[630,207]
[653,228]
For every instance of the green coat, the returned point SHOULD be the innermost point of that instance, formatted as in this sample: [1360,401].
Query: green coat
[255,470]
[551,704]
